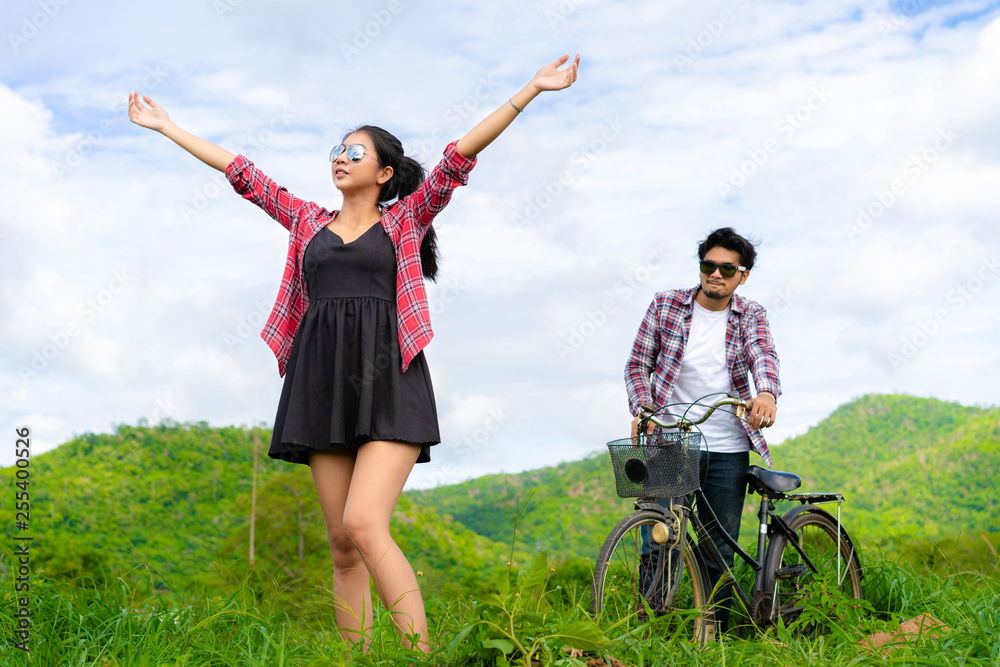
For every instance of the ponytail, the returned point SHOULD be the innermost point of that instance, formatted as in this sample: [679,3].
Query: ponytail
[407,178]
[407,175]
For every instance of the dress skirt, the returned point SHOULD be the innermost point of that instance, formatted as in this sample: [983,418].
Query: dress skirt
[343,383]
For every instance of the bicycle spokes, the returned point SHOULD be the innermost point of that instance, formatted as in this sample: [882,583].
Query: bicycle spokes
[638,581]
[811,569]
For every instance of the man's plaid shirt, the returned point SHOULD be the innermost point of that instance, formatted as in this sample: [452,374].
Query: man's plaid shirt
[405,221]
[652,367]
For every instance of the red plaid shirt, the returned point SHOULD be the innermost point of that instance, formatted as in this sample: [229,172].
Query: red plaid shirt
[652,367]
[406,221]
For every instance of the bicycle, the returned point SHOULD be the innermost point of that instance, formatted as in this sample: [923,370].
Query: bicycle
[653,562]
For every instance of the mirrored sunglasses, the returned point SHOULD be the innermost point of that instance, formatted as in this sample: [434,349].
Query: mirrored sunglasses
[354,152]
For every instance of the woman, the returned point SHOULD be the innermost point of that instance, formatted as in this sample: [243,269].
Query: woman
[348,329]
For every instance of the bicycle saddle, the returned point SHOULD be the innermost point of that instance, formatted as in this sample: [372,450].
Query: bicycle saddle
[771,482]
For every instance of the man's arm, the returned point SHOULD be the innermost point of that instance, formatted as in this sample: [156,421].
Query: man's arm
[764,365]
[642,362]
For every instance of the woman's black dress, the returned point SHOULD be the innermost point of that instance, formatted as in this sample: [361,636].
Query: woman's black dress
[343,382]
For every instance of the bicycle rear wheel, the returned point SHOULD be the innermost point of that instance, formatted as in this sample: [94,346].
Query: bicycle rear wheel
[828,559]
[633,572]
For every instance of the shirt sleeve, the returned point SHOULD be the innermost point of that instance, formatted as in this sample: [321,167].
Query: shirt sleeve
[761,354]
[642,359]
[253,185]
[435,192]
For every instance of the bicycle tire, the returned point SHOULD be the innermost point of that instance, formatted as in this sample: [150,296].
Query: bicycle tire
[674,588]
[817,534]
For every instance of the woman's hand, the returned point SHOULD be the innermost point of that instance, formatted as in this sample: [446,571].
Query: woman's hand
[551,78]
[154,117]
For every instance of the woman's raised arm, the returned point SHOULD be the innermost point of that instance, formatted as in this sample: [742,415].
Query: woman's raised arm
[548,78]
[156,118]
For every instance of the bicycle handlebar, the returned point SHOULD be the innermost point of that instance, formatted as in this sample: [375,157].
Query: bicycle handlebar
[647,413]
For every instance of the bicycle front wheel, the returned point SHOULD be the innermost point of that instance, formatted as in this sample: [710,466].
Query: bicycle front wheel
[634,576]
[825,559]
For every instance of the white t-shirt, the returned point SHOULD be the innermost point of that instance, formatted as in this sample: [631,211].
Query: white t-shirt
[704,371]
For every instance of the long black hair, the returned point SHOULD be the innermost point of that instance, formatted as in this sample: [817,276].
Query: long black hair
[407,175]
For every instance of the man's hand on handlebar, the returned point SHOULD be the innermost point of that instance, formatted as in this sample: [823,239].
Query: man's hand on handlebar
[757,412]
[635,427]
[649,425]
[761,411]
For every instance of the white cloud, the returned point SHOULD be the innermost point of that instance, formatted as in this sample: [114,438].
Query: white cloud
[840,302]
[887,273]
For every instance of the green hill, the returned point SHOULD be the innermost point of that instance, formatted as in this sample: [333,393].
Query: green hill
[909,466]
[912,469]
[169,506]
[291,542]
[156,499]
[573,505]
[170,503]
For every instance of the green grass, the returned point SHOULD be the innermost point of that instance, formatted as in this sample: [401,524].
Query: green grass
[534,610]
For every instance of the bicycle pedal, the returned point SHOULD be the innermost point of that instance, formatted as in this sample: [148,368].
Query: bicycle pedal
[793,571]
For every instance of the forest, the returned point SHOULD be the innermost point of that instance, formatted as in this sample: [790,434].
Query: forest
[150,521]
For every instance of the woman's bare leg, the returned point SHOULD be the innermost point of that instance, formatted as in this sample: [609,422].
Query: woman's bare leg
[380,471]
[332,472]
[358,496]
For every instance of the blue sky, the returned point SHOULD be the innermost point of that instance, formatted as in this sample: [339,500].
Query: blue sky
[857,141]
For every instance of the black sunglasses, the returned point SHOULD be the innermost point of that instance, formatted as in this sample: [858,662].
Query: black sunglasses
[354,152]
[727,270]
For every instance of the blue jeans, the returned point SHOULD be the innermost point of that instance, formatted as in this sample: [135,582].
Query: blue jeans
[724,485]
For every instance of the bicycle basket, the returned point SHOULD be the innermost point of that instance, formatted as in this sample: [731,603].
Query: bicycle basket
[660,465]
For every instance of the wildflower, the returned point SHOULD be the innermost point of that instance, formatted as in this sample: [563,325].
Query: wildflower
[420,573]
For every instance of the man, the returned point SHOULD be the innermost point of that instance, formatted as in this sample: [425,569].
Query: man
[702,341]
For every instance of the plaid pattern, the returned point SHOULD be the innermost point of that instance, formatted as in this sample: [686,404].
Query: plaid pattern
[405,221]
[652,366]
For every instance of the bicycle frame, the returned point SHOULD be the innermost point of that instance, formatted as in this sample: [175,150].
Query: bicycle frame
[782,560]
[705,544]
[768,522]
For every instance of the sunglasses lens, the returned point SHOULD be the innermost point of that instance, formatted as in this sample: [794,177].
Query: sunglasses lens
[727,270]
[355,152]
[335,152]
